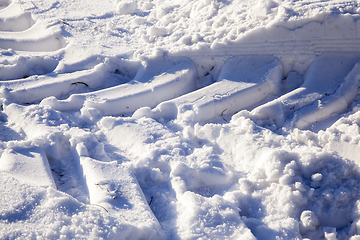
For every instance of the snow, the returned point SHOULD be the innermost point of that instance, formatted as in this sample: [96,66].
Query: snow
[126,7]
[157,119]
[29,165]
[329,67]
[260,76]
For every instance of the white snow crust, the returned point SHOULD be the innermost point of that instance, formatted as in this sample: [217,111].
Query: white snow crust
[159,119]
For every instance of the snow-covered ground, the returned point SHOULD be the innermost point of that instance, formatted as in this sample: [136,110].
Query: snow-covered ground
[160,119]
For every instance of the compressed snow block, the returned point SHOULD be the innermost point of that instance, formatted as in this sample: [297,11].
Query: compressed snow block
[243,82]
[157,80]
[114,188]
[29,165]
[323,77]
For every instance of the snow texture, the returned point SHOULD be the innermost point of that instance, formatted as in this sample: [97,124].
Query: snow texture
[157,119]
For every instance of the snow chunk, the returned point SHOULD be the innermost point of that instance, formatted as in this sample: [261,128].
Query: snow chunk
[316,177]
[330,233]
[155,32]
[165,110]
[209,173]
[126,7]
[90,115]
[309,221]
[113,187]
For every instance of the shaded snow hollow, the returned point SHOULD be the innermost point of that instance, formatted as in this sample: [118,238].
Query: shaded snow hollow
[179,120]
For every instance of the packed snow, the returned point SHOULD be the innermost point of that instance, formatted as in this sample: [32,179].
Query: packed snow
[155,119]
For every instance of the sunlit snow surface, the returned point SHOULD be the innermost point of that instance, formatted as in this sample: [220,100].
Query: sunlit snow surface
[125,119]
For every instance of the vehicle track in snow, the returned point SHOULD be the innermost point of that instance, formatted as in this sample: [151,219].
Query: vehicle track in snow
[172,88]
[167,81]
[246,76]
[167,88]
[23,42]
[243,82]
[75,162]
[20,32]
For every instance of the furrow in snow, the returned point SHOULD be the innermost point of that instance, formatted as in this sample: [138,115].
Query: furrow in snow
[335,103]
[243,82]
[114,188]
[41,37]
[276,48]
[324,76]
[13,18]
[14,66]
[36,88]
[157,80]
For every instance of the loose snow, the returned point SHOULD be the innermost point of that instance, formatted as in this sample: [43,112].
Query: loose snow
[209,119]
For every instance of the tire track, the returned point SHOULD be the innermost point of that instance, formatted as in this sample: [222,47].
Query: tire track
[27,47]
